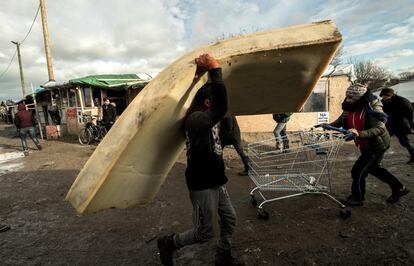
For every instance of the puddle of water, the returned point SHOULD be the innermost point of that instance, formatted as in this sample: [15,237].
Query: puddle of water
[5,157]
[9,161]
[10,167]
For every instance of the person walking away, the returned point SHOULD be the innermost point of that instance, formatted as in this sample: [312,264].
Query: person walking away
[230,135]
[364,118]
[205,175]
[282,142]
[25,124]
[400,118]
[108,114]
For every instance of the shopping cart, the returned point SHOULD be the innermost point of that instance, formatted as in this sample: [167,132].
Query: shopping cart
[304,168]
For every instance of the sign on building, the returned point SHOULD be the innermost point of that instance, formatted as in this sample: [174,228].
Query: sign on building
[323,117]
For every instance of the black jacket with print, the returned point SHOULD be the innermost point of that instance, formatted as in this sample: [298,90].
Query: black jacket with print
[205,166]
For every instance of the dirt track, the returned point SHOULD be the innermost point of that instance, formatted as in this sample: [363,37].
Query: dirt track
[301,231]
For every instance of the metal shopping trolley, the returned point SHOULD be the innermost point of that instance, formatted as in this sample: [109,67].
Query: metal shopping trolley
[304,168]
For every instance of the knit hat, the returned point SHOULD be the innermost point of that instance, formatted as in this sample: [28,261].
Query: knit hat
[356,90]
[387,91]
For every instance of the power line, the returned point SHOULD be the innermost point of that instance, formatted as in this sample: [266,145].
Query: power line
[7,68]
[37,12]
[27,34]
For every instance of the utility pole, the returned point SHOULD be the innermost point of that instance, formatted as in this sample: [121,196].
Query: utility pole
[21,68]
[46,41]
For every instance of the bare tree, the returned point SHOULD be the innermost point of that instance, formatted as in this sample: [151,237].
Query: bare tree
[337,59]
[406,75]
[368,73]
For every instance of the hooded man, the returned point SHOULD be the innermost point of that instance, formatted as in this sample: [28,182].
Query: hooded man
[364,118]
[400,118]
[205,171]
[25,123]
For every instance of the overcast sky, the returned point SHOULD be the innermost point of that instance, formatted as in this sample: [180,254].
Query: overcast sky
[133,36]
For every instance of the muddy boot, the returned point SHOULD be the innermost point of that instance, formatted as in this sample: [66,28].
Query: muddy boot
[285,144]
[166,247]
[279,146]
[225,259]
[397,194]
[39,147]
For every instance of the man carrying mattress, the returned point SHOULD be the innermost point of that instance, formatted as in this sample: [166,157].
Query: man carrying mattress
[205,171]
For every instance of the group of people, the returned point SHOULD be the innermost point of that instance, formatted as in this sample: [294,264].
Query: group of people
[26,123]
[363,116]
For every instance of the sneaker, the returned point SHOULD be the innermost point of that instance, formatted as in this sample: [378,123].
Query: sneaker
[26,153]
[244,173]
[350,201]
[397,194]
[4,228]
[225,259]
[39,147]
[411,161]
[166,247]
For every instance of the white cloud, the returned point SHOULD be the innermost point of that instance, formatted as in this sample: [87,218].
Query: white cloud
[397,36]
[130,36]
[405,69]
[393,56]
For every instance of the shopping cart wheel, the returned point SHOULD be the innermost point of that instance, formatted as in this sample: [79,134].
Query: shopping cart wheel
[253,200]
[344,213]
[262,214]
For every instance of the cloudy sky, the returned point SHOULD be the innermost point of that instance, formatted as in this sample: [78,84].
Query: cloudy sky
[132,36]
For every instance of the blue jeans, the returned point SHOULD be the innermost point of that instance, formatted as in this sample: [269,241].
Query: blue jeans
[280,134]
[32,134]
[405,142]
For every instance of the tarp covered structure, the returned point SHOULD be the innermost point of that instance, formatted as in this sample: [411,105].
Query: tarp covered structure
[112,81]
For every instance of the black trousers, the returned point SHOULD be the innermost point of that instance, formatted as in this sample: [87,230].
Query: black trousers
[405,142]
[370,163]
[236,142]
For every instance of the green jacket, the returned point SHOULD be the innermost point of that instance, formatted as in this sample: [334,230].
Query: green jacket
[374,129]
[282,117]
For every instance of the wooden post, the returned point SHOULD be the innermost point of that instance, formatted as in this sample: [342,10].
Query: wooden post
[21,69]
[46,41]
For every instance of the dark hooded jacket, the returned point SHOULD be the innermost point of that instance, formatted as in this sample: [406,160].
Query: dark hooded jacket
[109,113]
[400,112]
[205,165]
[282,117]
[23,117]
[374,121]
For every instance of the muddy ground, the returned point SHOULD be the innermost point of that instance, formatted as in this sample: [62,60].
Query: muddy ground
[306,230]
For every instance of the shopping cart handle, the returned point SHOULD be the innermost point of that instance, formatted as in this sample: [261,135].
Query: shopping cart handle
[348,136]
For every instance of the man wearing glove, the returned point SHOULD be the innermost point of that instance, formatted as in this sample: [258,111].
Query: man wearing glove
[363,117]
[205,171]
